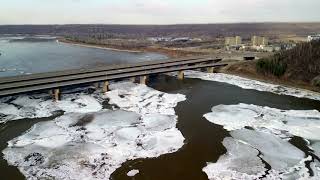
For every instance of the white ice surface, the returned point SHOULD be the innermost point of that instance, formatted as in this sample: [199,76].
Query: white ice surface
[41,106]
[272,128]
[133,173]
[246,83]
[278,153]
[303,123]
[242,160]
[93,145]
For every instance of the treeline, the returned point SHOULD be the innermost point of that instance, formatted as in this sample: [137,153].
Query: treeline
[300,63]
[246,30]
[110,40]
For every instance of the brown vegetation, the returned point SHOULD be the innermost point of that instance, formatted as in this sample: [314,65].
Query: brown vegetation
[298,67]
[246,30]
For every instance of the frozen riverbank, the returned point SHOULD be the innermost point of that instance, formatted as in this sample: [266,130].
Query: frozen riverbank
[246,83]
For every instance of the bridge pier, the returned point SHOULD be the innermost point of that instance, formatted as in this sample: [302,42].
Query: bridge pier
[143,79]
[96,85]
[133,79]
[210,69]
[181,75]
[56,95]
[105,86]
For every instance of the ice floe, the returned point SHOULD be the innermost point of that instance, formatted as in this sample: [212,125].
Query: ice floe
[272,128]
[240,162]
[303,123]
[133,173]
[278,153]
[245,152]
[126,96]
[82,145]
[246,83]
[38,106]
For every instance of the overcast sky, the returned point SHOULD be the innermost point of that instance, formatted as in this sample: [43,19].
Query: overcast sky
[156,11]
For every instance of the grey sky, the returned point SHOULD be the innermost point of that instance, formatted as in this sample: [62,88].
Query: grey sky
[157,11]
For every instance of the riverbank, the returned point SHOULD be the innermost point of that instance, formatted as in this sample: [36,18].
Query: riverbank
[248,70]
[237,67]
[170,52]
[61,40]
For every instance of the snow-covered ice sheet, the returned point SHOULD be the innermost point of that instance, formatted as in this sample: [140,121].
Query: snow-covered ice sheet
[248,151]
[240,162]
[93,145]
[38,106]
[246,83]
[272,128]
[303,123]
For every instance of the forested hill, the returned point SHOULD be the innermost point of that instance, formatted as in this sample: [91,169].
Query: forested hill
[300,63]
[191,30]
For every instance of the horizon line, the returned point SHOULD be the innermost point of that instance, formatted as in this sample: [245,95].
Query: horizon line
[173,24]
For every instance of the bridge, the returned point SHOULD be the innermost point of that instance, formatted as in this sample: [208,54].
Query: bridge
[53,81]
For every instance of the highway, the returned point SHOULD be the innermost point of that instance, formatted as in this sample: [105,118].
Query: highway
[53,80]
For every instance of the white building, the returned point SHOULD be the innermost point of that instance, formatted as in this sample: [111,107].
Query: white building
[313,38]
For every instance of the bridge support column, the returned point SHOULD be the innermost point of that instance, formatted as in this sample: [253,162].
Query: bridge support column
[133,79]
[105,86]
[210,69]
[180,75]
[56,95]
[143,79]
[50,92]
[96,85]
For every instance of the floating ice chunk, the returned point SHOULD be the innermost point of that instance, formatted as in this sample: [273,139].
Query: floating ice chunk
[240,162]
[234,117]
[142,99]
[316,147]
[41,106]
[45,134]
[253,84]
[93,145]
[315,167]
[133,173]
[278,153]
[89,146]
[303,123]
[245,151]
[83,104]
[158,122]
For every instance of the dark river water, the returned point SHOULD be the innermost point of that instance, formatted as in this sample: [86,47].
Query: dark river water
[202,138]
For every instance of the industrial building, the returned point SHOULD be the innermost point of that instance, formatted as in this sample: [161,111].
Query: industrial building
[314,38]
[233,41]
[259,41]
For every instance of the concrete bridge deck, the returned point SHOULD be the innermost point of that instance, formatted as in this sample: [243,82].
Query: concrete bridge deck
[55,80]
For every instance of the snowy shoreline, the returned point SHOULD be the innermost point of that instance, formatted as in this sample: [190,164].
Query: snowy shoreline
[246,83]
[97,46]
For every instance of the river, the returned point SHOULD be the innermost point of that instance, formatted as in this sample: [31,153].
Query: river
[203,135]
[25,55]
